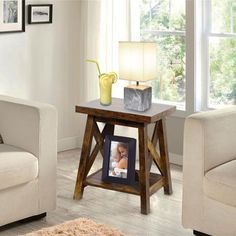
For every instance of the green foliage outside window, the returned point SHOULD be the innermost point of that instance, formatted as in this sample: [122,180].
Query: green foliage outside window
[158,16]
[222,50]
[222,71]
[163,21]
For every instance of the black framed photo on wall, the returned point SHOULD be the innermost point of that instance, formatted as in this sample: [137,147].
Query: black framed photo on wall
[40,13]
[119,160]
[12,16]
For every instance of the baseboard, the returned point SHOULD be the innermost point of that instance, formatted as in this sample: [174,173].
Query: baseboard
[176,159]
[69,143]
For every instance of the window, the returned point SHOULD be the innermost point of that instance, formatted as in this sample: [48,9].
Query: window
[163,21]
[220,25]
[201,34]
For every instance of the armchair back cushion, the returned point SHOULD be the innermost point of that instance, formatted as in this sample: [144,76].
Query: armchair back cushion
[27,125]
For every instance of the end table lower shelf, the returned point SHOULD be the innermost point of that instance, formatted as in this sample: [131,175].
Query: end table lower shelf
[155,182]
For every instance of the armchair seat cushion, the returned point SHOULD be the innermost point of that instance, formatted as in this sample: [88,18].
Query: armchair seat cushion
[220,183]
[16,166]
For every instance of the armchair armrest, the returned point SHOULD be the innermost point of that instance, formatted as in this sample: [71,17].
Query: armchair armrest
[32,126]
[209,140]
[26,124]
[212,132]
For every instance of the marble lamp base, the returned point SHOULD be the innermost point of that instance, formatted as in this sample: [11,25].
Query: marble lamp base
[138,98]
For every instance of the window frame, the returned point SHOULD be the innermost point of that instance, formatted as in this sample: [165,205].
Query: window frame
[207,35]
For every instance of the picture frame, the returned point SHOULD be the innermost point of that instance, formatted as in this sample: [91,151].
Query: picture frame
[119,160]
[12,16]
[40,13]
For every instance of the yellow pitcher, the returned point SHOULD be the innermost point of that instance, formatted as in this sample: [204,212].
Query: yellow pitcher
[105,84]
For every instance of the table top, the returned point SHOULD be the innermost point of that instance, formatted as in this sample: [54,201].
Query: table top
[116,110]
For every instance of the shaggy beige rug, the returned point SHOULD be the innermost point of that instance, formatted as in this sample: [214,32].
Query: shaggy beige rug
[79,227]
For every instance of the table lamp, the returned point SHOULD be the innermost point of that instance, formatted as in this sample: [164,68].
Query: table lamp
[137,62]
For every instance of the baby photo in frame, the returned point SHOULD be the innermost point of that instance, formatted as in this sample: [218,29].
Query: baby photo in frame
[119,160]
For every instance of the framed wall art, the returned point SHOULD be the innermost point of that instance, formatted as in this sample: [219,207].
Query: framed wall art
[40,13]
[12,16]
[119,160]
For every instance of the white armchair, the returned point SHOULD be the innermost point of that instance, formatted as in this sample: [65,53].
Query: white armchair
[27,159]
[209,172]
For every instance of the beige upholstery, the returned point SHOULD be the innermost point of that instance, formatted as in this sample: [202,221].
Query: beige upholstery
[16,166]
[220,183]
[27,159]
[209,172]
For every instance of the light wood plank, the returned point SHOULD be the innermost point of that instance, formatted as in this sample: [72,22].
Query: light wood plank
[119,210]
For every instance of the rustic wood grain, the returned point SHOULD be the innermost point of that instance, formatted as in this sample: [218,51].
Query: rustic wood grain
[152,145]
[164,157]
[88,136]
[117,110]
[96,180]
[99,137]
[155,156]
[146,182]
[144,170]
[122,122]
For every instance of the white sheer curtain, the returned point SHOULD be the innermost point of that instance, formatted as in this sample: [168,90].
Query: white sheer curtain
[103,24]
[89,28]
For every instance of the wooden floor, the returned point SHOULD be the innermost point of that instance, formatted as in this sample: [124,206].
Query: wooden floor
[119,210]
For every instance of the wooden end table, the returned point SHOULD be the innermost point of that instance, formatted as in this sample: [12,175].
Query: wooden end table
[146,183]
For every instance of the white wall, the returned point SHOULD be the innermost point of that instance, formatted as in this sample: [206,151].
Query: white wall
[42,64]
[46,62]
[175,130]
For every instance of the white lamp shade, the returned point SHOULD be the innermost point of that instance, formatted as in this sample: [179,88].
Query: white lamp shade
[137,61]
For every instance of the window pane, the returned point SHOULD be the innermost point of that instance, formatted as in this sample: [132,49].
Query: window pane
[222,87]
[162,14]
[223,16]
[170,82]
[157,16]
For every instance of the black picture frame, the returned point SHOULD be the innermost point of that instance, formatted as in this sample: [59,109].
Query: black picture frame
[40,13]
[12,17]
[110,171]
